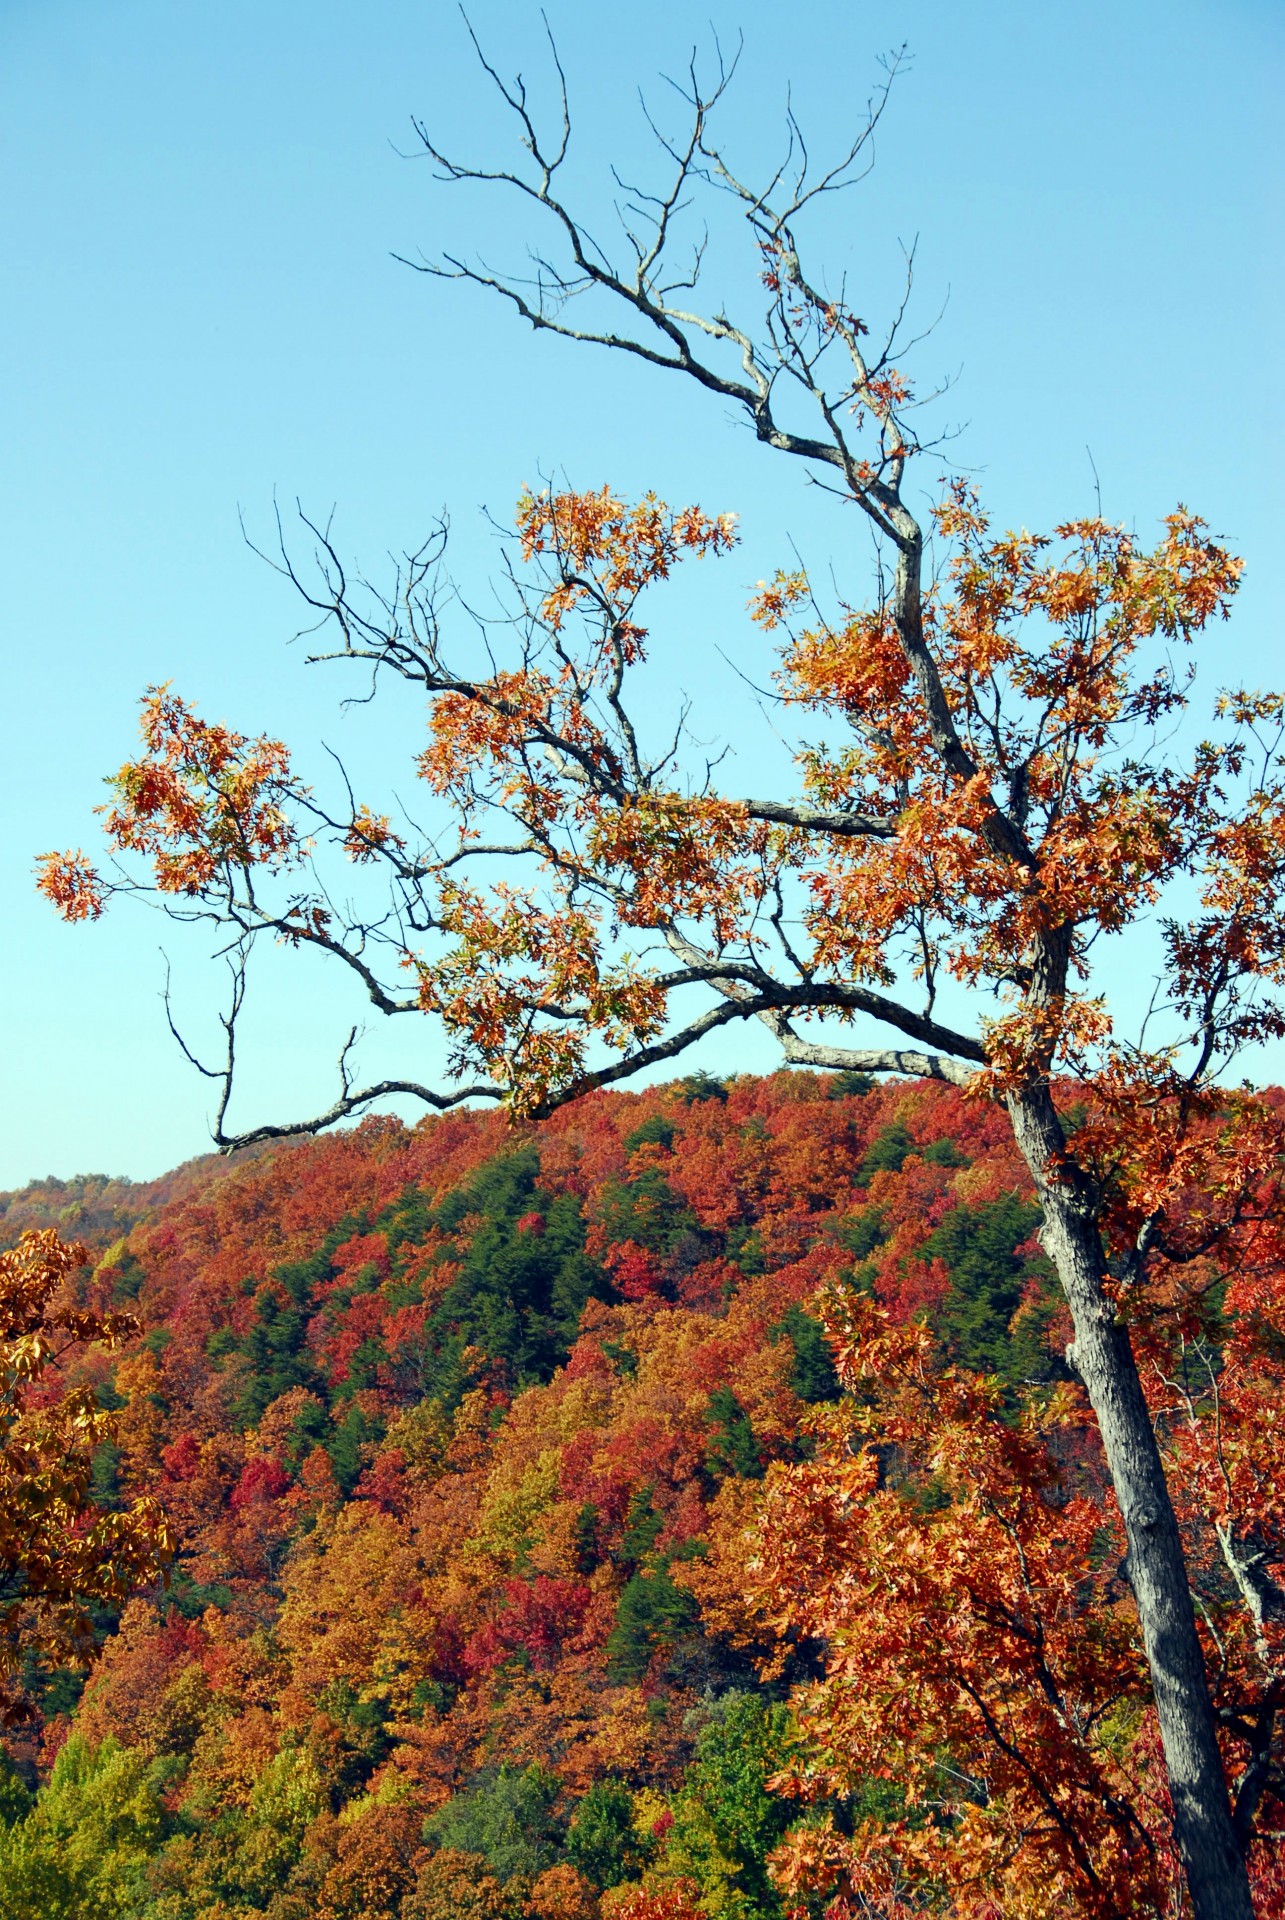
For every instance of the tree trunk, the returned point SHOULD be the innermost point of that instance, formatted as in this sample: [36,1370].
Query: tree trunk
[1103,1357]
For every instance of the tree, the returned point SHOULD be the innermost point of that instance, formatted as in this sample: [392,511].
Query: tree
[725,1822]
[507,1820]
[81,1854]
[983,1704]
[1006,793]
[61,1552]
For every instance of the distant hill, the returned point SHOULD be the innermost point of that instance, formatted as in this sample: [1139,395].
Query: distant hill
[97,1208]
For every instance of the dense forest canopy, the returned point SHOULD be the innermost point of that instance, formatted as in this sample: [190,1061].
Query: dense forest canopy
[534,1561]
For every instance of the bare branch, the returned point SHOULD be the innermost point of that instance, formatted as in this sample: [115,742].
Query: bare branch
[350,1103]
[866,826]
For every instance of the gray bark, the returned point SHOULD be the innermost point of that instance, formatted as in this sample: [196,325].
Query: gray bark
[1103,1356]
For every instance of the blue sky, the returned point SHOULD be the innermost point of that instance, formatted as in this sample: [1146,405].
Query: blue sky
[202,310]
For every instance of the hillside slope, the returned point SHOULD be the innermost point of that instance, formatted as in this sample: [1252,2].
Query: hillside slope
[459,1428]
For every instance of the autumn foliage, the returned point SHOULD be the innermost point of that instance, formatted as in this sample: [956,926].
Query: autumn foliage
[62,1551]
[1068,638]
[539,1558]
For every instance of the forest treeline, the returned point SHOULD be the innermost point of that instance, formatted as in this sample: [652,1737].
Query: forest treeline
[487,1451]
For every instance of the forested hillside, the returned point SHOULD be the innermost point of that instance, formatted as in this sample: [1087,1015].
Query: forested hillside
[464,1432]
[94,1208]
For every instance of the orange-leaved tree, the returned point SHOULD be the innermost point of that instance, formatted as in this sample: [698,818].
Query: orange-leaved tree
[981,1660]
[60,1551]
[991,781]
[979,1663]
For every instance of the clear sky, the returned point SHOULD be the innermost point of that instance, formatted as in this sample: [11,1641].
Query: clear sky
[201,308]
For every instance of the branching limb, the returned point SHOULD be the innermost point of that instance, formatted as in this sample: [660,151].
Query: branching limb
[225,1074]
[350,1101]
[915,1065]
[354,1101]
[805,819]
